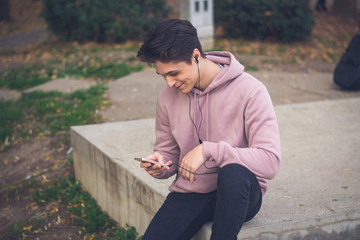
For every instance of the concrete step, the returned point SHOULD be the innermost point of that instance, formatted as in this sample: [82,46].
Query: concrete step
[315,194]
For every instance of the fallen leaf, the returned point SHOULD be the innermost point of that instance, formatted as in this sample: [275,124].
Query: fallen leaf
[37,231]
[58,220]
[27,228]
[54,211]
[30,205]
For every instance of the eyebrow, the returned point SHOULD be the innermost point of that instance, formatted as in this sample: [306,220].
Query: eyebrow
[168,73]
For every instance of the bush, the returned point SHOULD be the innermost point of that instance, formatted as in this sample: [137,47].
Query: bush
[286,21]
[103,21]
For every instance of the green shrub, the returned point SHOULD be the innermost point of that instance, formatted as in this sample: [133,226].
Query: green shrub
[286,21]
[103,21]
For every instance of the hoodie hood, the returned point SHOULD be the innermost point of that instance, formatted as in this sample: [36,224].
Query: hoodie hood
[232,68]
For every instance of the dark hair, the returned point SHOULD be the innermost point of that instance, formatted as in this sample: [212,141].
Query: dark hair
[171,40]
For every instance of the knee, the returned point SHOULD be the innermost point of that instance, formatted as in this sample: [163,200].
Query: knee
[234,176]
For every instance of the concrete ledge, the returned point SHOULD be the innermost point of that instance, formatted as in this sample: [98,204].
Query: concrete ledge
[315,194]
[121,188]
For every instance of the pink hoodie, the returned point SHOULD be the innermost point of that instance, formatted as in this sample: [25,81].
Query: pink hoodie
[238,125]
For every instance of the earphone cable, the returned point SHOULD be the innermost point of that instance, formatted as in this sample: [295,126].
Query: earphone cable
[193,172]
[192,120]
[198,103]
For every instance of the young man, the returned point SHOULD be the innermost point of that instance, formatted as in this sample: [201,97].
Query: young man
[215,129]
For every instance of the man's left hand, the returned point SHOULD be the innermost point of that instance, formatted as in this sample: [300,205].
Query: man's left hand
[192,161]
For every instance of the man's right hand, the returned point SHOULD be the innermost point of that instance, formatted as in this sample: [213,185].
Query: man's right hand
[155,170]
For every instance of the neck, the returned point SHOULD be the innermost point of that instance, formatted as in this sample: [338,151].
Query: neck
[208,71]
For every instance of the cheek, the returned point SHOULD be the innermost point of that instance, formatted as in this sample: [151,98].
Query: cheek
[191,78]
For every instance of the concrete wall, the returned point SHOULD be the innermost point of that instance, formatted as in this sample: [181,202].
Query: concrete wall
[120,187]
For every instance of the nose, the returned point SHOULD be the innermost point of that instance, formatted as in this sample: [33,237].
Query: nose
[170,81]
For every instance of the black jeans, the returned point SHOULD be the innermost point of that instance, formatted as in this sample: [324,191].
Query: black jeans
[237,200]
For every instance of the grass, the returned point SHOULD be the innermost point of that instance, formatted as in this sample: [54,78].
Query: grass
[65,193]
[15,191]
[51,113]
[252,68]
[27,76]
[86,213]
[34,224]
[54,112]
[24,77]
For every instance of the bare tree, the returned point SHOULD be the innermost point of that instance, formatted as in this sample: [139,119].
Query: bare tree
[5,10]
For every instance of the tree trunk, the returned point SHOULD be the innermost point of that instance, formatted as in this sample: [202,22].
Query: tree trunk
[5,10]
[346,9]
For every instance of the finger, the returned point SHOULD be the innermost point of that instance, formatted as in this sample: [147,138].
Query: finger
[168,164]
[155,166]
[187,173]
[153,172]
[182,172]
[145,164]
[156,171]
[192,178]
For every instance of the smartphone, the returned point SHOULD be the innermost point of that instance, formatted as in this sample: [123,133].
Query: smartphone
[150,161]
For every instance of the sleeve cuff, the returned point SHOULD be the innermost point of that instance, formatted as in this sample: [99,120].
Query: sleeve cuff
[209,150]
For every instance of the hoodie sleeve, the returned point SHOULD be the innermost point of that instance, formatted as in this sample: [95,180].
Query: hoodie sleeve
[263,152]
[165,143]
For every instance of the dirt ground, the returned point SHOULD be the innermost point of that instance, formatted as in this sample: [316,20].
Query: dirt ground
[41,157]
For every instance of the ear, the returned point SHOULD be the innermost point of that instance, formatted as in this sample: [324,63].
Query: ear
[196,55]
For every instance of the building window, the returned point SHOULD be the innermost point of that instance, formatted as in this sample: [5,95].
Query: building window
[197,6]
[206,5]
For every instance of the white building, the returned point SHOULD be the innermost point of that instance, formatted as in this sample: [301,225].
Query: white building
[201,14]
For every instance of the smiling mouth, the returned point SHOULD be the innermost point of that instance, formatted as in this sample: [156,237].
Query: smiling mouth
[179,86]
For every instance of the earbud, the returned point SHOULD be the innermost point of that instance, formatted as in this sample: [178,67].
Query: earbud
[196,58]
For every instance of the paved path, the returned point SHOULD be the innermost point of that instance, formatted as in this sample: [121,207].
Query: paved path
[134,96]
[24,39]
[65,85]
